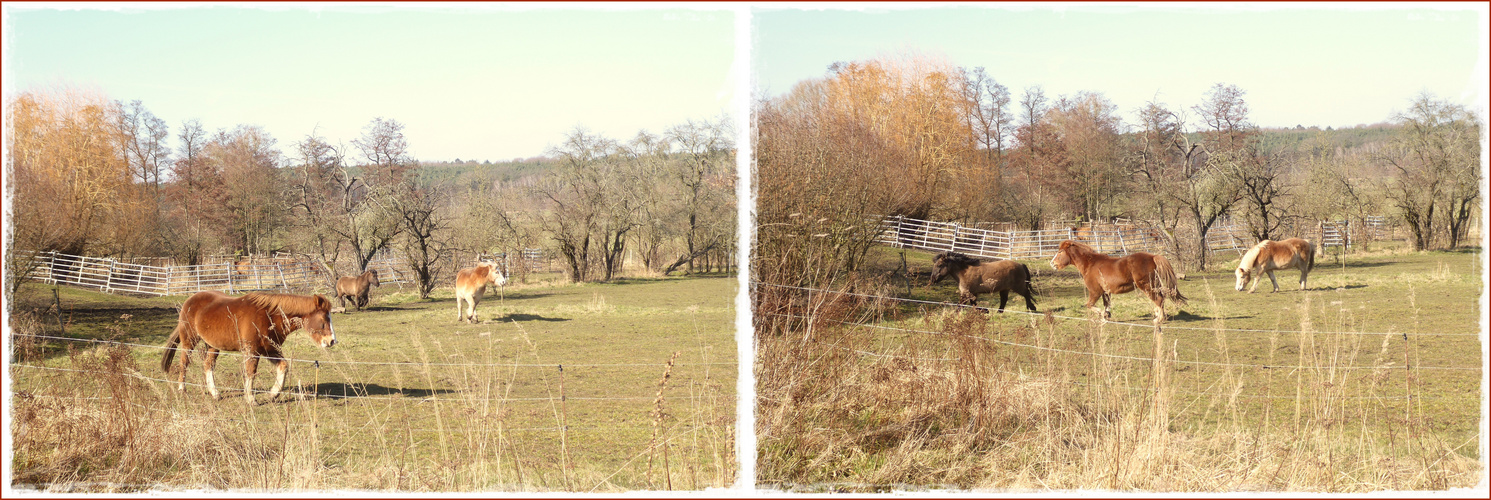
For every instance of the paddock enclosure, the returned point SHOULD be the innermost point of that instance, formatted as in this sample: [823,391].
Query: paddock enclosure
[595,387]
[1369,380]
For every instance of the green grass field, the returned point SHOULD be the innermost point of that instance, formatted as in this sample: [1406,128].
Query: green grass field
[1377,364]
[407,400]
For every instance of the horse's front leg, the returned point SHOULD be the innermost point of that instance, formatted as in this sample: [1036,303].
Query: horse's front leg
[1259,279]
[1303,276]
[250,368]
[1273,280]
[1107,306]
[1004,296]
[1092,298]
[459,316]
[208,362]
[474,299]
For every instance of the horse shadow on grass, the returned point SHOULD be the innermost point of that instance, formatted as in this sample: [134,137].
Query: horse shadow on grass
[356,390]
[526,317]
[514,296]
[1190,316]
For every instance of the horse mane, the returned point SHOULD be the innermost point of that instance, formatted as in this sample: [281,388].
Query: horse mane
[1080,247]
[958,260]
[293,305]
[1250,259]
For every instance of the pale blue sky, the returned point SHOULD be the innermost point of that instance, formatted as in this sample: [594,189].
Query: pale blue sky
[1326,65]
[467,81]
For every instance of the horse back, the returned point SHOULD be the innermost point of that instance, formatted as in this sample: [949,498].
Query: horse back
[471,280]
[347,285]
[227,323]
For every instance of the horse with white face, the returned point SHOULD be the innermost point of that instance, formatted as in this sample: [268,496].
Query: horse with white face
[1269,256]
[471,283]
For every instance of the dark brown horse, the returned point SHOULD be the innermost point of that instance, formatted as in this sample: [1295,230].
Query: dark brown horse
[1105,276]
[255,324]
[978,277]
[1268,256]
[356,288]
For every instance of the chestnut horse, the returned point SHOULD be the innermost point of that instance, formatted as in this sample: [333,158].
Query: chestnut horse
[1268,256]
[471,283]
[1105,276]
[255,324]
[357,288]
[977,277]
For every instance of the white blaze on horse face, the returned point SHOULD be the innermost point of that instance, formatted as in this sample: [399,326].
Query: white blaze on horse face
[1242,278]
[333,330]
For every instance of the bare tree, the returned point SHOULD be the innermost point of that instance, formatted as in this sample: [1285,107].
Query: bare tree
[706,151]
[1437,161]
[426,233]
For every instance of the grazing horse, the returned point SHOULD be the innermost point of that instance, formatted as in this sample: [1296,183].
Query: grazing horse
[976,277]
[255,324]
[357,288]
[471,283]
[1105,276]
[1268,256]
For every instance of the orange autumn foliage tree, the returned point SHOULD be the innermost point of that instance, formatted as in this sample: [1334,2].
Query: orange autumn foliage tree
[871,139]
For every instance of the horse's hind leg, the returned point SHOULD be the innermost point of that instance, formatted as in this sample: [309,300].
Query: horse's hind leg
[1304,275]
[1159,306]
[208,363]
[1273,280]
[250,368]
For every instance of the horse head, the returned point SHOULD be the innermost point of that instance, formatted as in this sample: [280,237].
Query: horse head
[1245,265]
[494,274]
[940,268]
[1062,259]
[372,275]
[318,323]
[949,263]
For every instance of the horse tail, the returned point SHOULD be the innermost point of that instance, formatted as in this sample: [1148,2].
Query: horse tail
[1169,284]
[165,361]
[1309,256]
[1029,286]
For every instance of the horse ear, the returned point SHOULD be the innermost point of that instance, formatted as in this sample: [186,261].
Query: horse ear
[322,303]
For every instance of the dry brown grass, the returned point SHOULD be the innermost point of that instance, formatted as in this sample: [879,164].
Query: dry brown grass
[841,408]
[101,419]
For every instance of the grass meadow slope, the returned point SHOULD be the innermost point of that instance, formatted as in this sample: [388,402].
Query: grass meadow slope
[1370,380]
[595,387]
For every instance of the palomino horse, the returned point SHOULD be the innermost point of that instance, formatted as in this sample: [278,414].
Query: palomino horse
[471,283]
[356,288]
[255,324]
[1268,256]
[977,277]
[1105,276]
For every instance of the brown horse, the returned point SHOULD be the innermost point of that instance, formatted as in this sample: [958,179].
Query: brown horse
[255,324]
[1105,276]
[471,283]
[357,288]
[978,277]
[1268,256]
